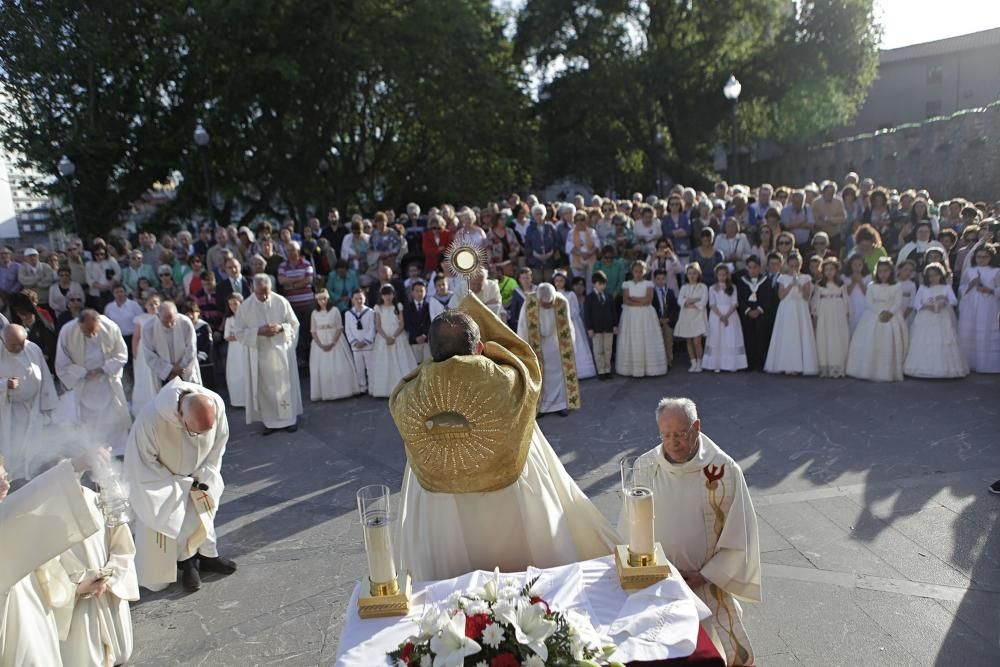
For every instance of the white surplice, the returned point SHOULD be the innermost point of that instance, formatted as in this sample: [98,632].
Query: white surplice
[97,403]
[543,520]
[98,631]
[144,385]
[705,520]
[270,368]
[162,348]
[173,522]
[21,409]
[236,383]
[553,397]
[38,522]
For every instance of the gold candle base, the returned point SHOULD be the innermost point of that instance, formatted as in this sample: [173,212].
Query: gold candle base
[637,571]
[388,599]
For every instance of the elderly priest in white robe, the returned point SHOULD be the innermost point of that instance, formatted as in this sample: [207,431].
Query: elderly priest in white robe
[268,329]
[90,356]
[706,523]
[482,487]
[27,397]
[40,521]
[173,464]
[169,346]
[545,324]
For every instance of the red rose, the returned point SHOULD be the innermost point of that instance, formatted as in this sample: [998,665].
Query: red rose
[475,624]
[537,599]
[505,660]
[404,655]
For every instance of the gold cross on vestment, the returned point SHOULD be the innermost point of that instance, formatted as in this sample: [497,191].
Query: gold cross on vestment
[285,404]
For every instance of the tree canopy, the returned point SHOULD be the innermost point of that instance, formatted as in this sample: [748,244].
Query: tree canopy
[366,103]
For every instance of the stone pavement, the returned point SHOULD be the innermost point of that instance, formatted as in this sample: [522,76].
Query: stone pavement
[880,541]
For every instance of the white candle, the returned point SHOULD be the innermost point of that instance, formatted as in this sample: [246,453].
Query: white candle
[639,510]
[378,545]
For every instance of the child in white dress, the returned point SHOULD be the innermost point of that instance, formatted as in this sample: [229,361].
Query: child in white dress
[331,366]
[144,386]
[978,311]
[856,283]
[878,346]
[908,286]
[392,357]
[692,323]
[934,350]
[585,367]
[640,351]
[724,345]
[236,383]
[833,334]
[793,343]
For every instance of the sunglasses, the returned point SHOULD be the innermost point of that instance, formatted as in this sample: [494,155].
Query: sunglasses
[784,243]
[77,300]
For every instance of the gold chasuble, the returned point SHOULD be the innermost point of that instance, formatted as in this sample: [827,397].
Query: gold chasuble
[563,335]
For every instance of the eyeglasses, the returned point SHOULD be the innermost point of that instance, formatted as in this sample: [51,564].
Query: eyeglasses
[677,436]
[75,299]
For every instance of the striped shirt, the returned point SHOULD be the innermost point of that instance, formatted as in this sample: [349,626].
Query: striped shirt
[301,296]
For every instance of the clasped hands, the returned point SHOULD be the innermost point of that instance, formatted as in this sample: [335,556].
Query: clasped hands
[269,330]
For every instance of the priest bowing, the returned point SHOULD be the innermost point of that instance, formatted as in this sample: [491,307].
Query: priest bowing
[482,487]
[173,464]
[90,356]
[268,329]
[706,524]
[546,325]
[169,346]
[27,398]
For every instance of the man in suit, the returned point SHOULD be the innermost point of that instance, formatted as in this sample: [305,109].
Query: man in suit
[233,283]
[757,297]
[600,316]
[667,310]
[386,277]
[525,286]
[417,320]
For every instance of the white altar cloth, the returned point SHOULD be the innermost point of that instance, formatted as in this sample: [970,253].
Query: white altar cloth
[657,623]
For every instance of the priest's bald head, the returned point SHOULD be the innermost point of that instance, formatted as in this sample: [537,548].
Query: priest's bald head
[167,313]
[680,428]
[90,322]
[14,337]
[454,334]
[262,286]
[196,412]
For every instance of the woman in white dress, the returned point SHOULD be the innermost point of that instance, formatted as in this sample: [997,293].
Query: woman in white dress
[724,345]
[640,350]
[833,334]
[391,357]
[692,323]
[934,350]
[856,283]
[878,346]
[793,343]
[236,383]
[144,384]
[585,367]
[979,306]
[331,364]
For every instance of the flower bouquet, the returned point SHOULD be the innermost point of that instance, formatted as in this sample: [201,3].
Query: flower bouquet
[501,625]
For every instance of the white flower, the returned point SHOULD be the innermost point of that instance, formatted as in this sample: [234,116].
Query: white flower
[491,587]
[400,663]
[450,646]
[454,600]
[505,611]
[481,663]
[473,607]
[508,592]
[493,635]
[426,660]
[431,623]
[531,628]
[534,661]
[582,634]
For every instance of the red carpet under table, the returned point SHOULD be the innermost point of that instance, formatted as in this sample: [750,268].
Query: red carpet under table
[704,655]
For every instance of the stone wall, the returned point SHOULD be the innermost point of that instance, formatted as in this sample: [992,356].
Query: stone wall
[954,156]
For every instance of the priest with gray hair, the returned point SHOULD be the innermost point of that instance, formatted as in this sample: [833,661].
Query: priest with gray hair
[706,523]
[269,331]
[27,397]
[169,346]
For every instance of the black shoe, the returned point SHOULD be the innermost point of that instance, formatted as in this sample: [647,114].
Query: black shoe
[995,487]
[190,578]
[293,428]
[563,413]
[217,564]
[268,431]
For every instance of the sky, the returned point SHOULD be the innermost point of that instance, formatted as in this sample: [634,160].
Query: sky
[906,22]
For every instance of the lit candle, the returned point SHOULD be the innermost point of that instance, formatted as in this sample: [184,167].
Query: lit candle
[378,544]
[639,510]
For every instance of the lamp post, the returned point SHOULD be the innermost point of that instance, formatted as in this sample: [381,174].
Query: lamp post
[67,170]
[323,167]
[201,139]
[732,91]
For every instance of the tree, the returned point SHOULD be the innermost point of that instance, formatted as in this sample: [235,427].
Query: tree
[661,65]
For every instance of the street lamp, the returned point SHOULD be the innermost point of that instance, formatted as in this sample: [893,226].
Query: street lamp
[732,91]
[201,140]
[67,170]
[659,152]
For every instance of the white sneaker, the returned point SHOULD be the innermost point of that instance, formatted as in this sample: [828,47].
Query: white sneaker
[697,366]
[694,366]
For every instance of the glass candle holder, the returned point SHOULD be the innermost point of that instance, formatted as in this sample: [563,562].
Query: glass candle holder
[637,491]
[377,523]
[112,497]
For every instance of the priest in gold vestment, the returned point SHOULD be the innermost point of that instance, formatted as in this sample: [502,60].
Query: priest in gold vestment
[482,486]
